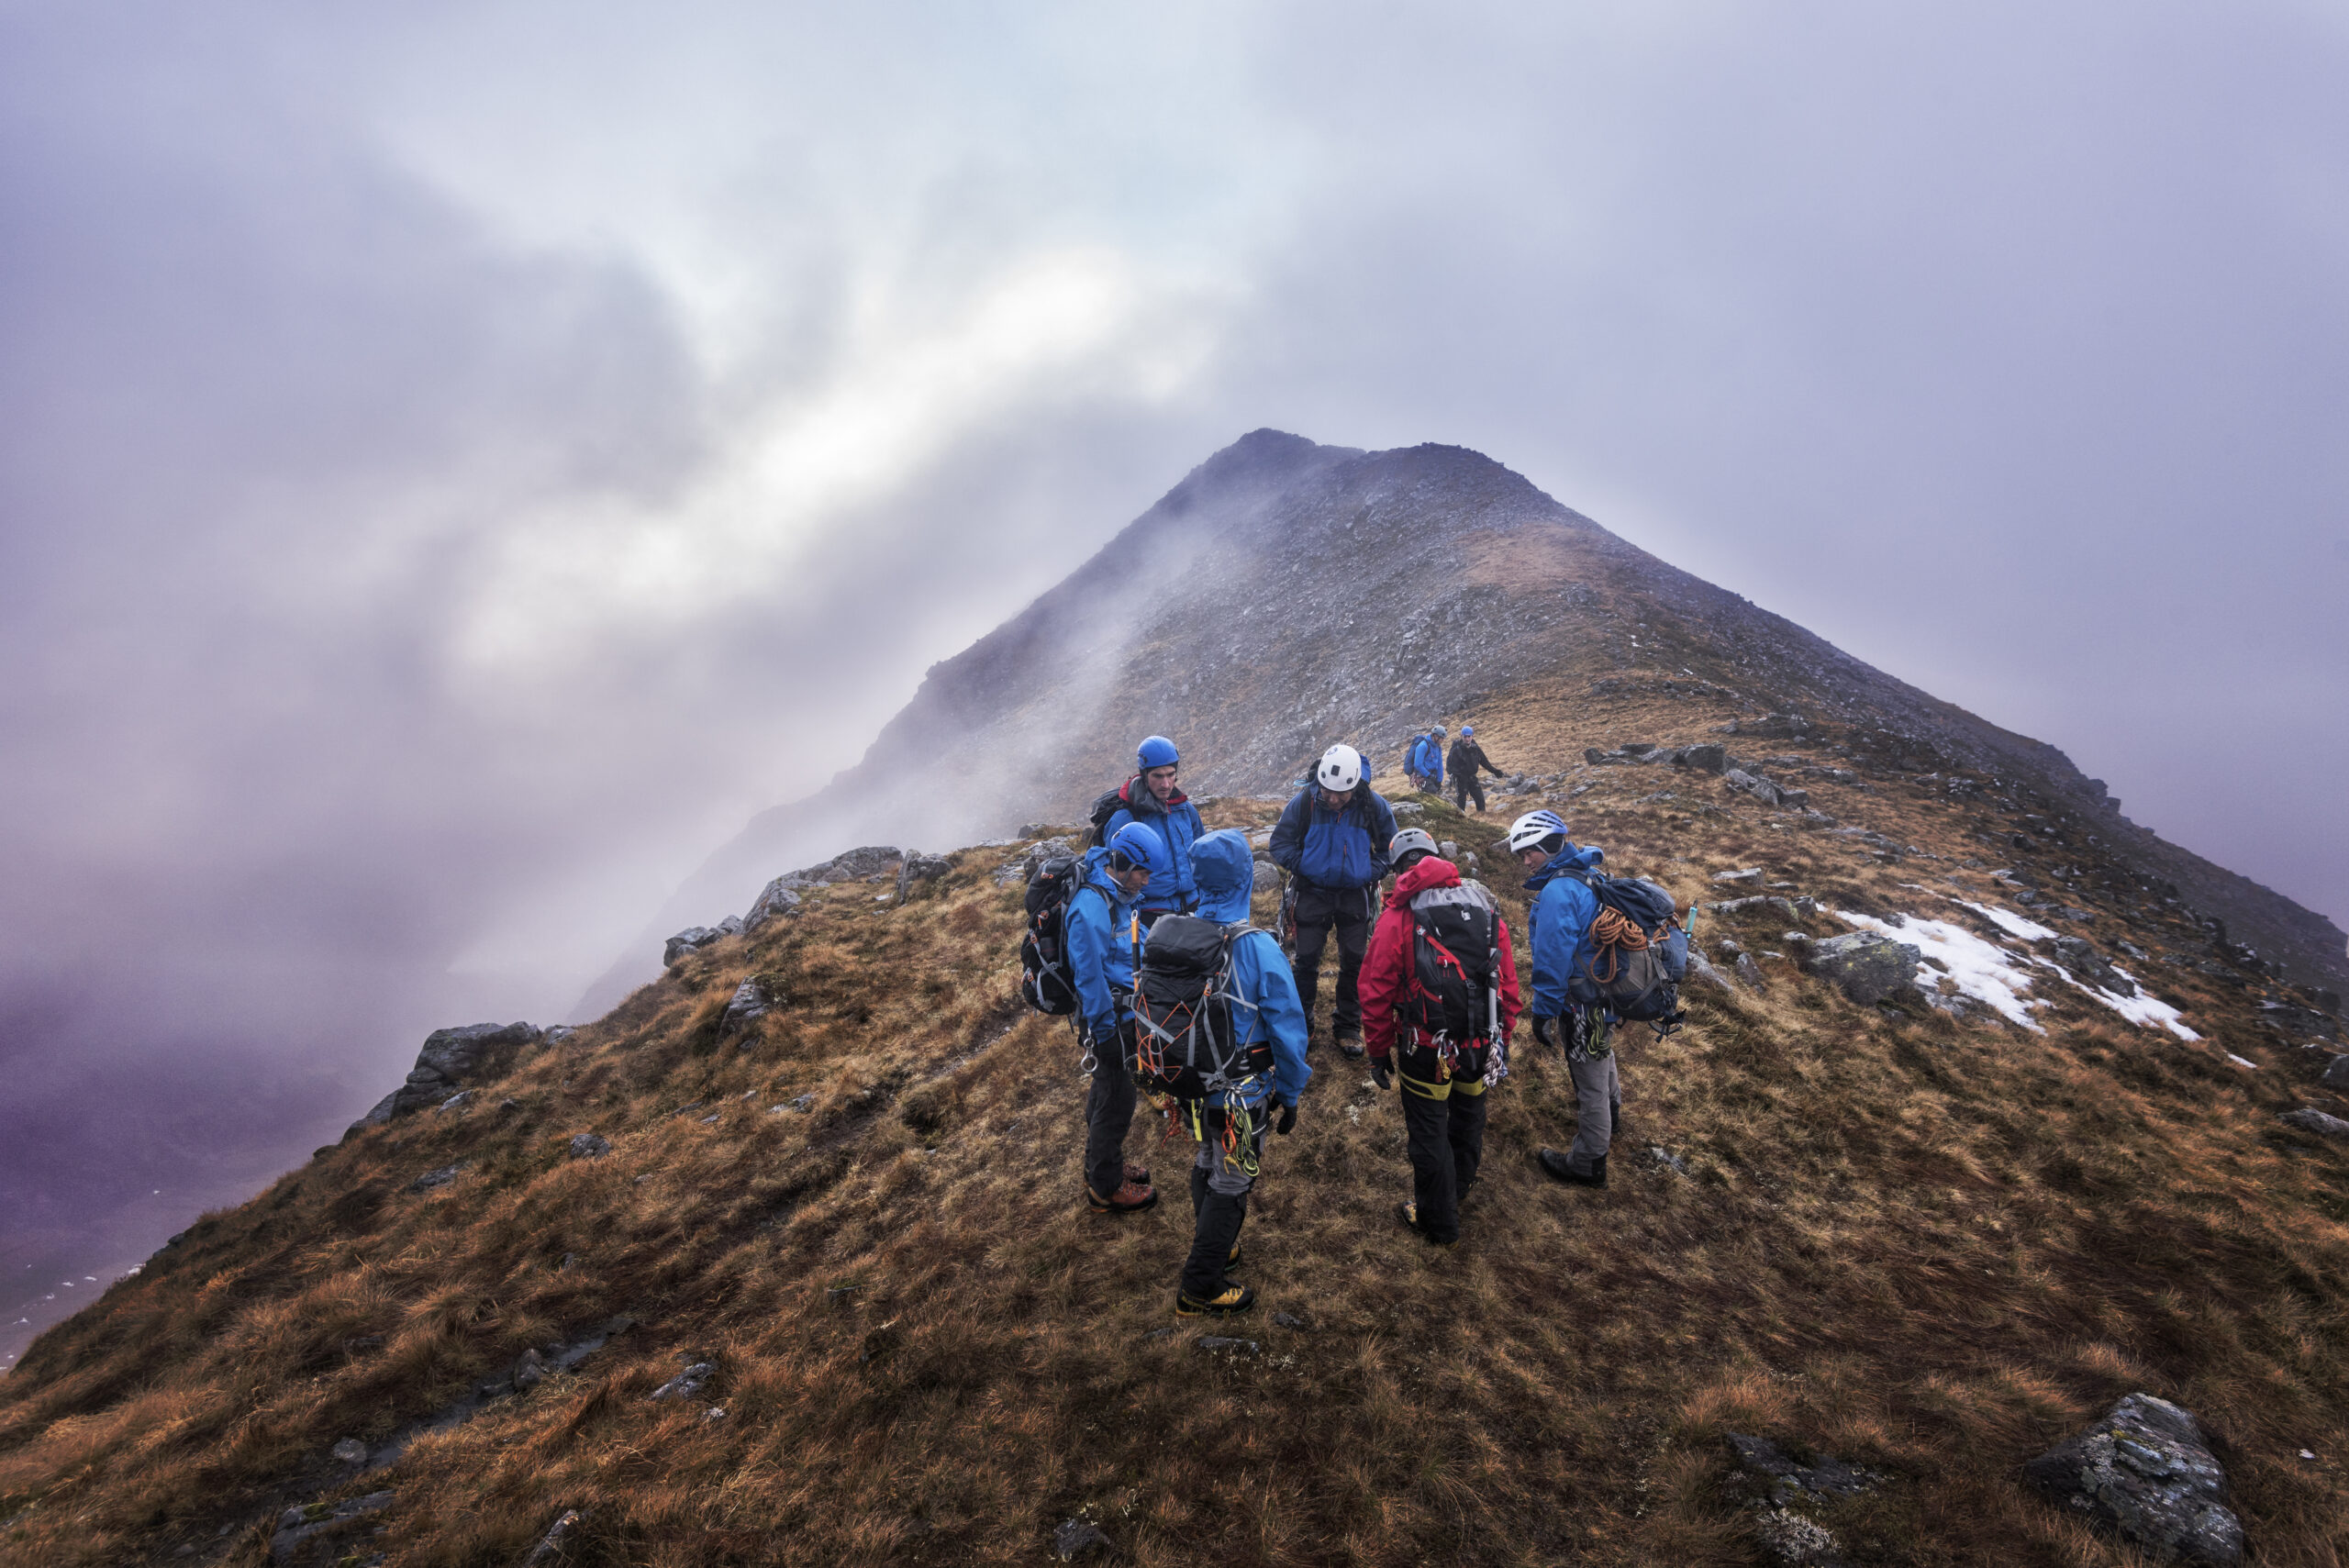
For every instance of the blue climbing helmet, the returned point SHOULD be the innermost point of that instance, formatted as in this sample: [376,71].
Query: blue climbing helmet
[1467,730]
[1157,751]
[1140,846]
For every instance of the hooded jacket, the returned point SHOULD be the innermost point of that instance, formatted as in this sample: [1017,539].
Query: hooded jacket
[1341,849]
[1265,1005]
[1387,966]
[1176,821]
[1102,933]
[1560,921]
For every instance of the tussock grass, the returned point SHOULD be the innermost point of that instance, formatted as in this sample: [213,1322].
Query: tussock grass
[1926,1247]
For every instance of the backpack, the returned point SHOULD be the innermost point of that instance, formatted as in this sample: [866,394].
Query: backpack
[1639,953]
[1046,982]
[1184,1043]
[1452,1000]
[1108,804]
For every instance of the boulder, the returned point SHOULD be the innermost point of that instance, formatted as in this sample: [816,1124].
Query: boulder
[926,868]
[2145,1473]
[778,897]
[1777,901]
[554,1546]
[1409,808]
[1268,877]
[1752,874]
[752,1000]
[687,1382]
[1748,972]
[1866,966]
[350,1450]
[435,1178]
[1705,759]
[1737,781]
[587,1146]
[2084,962]
[690,940]
[2307,1119]
[474,1050]
[2336,1074]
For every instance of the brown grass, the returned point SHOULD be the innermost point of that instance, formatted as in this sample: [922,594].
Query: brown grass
[1930,1249]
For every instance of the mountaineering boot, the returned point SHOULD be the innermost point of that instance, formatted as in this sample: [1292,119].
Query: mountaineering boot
[1349,1045]
[1137,1175]
[1408,1213]
[1127,1199]
[1561,1167]
[1231,1299]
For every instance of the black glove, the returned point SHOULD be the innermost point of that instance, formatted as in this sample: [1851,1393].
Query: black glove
[1381,1074]
[1288,1121]
[1543,1030]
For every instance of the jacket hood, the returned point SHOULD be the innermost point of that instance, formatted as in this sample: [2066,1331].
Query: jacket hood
[1575,857]
[1225,869]
[1433,871]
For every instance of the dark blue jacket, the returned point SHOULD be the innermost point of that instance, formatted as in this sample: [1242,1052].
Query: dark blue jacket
[1177,822]
[1342,849]
[1560,921]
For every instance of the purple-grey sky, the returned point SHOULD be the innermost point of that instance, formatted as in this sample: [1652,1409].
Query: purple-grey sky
[457,461]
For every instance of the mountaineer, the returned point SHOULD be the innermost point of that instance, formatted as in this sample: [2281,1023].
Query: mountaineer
[1102,934]
[1221,1034]
[1151,799]
[1560,921]
[1331,840]
[1467,756]
[1438,999]
[1424,761]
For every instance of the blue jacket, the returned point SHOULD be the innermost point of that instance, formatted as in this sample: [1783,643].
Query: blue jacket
[1178,823]
[1427,758]
[1102,933]
[1560,918]
[1341,849]
[1261,980]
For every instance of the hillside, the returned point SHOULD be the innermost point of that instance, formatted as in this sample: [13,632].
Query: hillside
[1922,1237]
[1286,595]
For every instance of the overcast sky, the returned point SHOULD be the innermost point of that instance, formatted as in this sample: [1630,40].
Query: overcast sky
[457,461]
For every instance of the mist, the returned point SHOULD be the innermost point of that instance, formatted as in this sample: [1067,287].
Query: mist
[457,465]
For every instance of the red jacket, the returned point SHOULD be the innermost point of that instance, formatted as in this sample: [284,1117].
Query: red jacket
[1387,967]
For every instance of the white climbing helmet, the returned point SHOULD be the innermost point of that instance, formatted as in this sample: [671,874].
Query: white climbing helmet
[1340,770]
[1409,839]
[1528,831]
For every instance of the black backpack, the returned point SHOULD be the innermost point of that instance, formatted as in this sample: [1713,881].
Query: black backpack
[1638,984]
[1108,804]
[1454,998]
[1183,1035]
[1046,982]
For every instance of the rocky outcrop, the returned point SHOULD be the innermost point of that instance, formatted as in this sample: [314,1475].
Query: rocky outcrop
[2307,1119]
[752,1000]
[450,1059]
[1867,967]
[2145,1473]
[692,938]
[2086,965]
[307,1534]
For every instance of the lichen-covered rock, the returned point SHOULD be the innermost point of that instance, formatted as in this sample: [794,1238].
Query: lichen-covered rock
[690,940]
[448,1059]
[2087,965]
[1866,966]
[2336,1074]
[301,1533]
[2145,1474]
[1268,877]
[778,897]
[588,1146]
[752,1000]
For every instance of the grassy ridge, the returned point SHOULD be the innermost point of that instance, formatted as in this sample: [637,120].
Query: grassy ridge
[1930,1248]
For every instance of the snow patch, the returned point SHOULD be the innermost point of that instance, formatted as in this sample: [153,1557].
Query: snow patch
[2242,1062]
[1980,969]
[2008,921]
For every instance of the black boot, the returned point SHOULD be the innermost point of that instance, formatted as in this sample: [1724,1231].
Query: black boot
[1558,1165]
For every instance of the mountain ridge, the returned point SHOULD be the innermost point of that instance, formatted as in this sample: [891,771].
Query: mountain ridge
[1470,579]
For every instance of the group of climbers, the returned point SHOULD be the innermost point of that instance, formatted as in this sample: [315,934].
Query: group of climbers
[1176,994]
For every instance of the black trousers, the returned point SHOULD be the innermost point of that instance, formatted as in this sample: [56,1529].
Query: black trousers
[1446,1138]
[1109,1112]
[1462,786]
[1220,1189]
[1347,911]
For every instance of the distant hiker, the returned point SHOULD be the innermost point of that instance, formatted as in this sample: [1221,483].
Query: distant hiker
[1222,1034]
[1438,999]
[1103,932]
[1332,840]
[1151,799]
[1564,908]
[1424,761]
[1467,756]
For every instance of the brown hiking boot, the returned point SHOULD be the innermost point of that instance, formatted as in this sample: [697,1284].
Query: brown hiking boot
[1129,1199]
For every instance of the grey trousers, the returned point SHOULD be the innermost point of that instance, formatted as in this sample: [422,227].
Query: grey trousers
[1109,1112]
[1599,1100]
